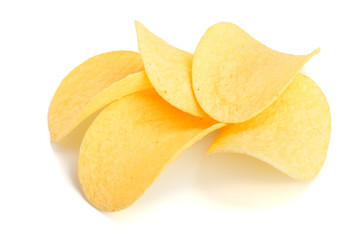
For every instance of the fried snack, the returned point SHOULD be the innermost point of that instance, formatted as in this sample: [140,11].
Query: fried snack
[235,77]
[129,143]
[169,70]
[72,101]
[292,134]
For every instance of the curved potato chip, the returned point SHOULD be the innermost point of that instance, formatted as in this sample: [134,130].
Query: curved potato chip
[236,77]
[83,83]
[131,84]
[169,70]
[292,134]
[128,145]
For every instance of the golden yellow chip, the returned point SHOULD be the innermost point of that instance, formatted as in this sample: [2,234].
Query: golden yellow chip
[128,145]
[236,77]
[292,134]
[131,84]
[73,99]
[169,70]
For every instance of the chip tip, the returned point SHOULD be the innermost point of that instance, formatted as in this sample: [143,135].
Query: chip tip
[209,151]
[225,23]
[213,149]
[140,29]
[55,134]
[316,51]
[138,25]
[53,138]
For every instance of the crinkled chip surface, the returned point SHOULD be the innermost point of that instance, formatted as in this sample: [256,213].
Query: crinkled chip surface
[235,77]
[128,145]
[292,134]
[70,104]
[169,70]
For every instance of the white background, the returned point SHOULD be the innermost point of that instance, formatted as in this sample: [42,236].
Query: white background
[197,196]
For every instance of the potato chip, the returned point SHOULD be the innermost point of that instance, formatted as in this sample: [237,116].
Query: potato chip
[169,71]
[292,134]
[79,88]
[235,77]
[128,145]
[131,84]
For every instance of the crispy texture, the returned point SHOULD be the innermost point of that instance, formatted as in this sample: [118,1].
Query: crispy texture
[236,77]
[292,134]
[128,145]
[169,70]
[70,104]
